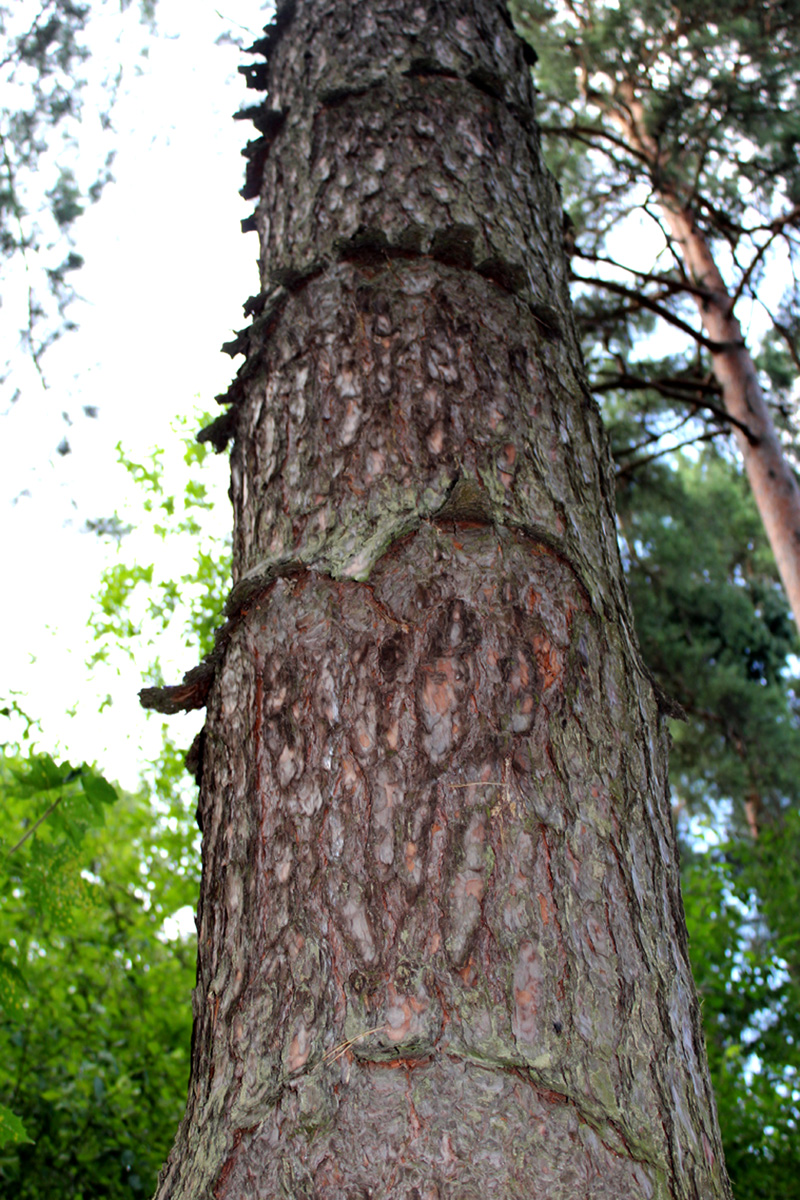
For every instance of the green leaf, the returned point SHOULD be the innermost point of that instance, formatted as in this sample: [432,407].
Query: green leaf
[40,774]
[13,989]
[98,790]
[11,1128]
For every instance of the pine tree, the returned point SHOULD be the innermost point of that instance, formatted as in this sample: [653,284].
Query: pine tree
[441,943]
[689,111]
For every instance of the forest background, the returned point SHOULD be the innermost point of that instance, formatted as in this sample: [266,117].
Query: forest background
[98,878]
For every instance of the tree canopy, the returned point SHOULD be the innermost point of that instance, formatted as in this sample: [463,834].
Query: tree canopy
[715,91]
[687,118]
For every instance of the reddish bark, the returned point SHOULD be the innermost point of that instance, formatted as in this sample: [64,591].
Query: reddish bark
[773,482]
[441,944]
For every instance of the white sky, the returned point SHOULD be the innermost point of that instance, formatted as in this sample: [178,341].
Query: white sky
[167,270]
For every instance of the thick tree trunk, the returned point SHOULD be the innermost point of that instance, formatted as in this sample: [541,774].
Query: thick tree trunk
[441,944]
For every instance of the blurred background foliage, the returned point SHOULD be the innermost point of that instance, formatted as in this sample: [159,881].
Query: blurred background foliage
[97,947]
[95,1033]
[97,953]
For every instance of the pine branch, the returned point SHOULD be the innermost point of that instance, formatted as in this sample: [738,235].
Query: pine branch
[629,469]
[674,285]
[587,134]
[676,389]
[659,310]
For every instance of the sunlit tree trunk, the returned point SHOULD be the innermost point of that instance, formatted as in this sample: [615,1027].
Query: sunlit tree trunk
[441,943]
[772,479]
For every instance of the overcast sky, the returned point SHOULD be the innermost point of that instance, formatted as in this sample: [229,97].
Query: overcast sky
[167,270]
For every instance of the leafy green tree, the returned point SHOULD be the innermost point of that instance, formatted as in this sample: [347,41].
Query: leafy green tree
[176,577]
[95,984]
[741,938]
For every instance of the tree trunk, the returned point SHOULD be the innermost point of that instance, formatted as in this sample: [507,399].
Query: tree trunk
[772,480]
[441,943]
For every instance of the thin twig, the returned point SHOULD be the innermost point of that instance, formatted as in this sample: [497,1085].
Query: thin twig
[336,1052]
[642,462]
[36,825]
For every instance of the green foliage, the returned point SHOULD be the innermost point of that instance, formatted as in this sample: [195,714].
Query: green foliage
[138,602]
[714,627]
[750,1003]
[96,1021]
[48,811]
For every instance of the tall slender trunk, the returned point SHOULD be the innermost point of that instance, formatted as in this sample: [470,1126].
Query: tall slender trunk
[772,480]
[441,944]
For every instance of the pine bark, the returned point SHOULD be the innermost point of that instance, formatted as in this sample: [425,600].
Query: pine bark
[441,943]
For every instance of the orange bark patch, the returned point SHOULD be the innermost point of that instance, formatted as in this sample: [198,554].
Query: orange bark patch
[520,675]
[474,887]
[543,908]
[398,1021]
[299,1049]
[548,660]
[438,694]
[527,990]
[469,973]
[349,775]
[436,438]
